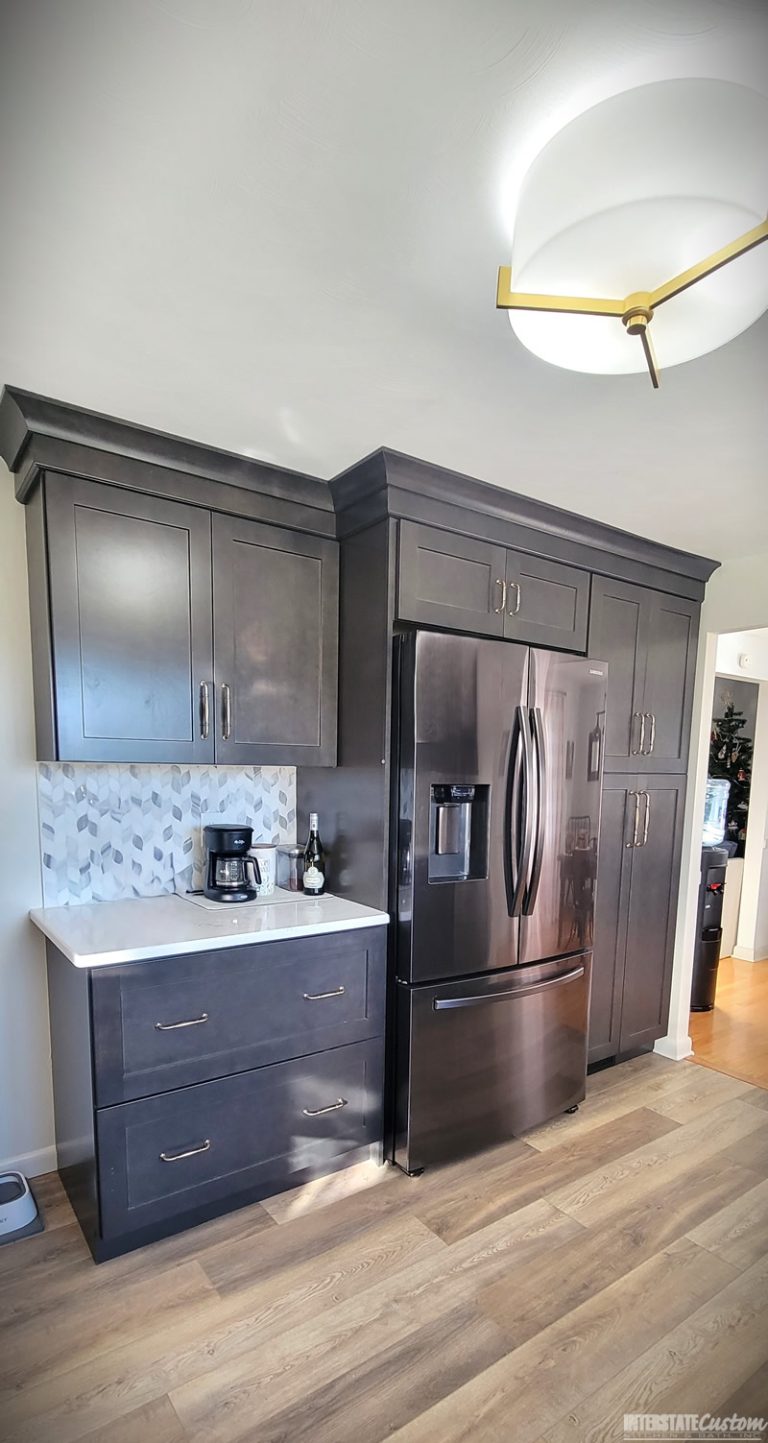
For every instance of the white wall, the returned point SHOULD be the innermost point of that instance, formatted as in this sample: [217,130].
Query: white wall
[751,646]
[736,600]
[26,1106]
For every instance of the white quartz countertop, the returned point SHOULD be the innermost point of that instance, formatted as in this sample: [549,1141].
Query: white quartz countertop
[102,934]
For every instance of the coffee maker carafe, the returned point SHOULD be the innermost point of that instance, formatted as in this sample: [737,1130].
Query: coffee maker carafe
[230,874]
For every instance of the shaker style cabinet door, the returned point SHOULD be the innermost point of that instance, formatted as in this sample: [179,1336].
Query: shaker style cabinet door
[275,619]
[547,603]
[451,581]
[618,630]
[673,629]
[652,911]
[649,641]
[130,620]
[611,910]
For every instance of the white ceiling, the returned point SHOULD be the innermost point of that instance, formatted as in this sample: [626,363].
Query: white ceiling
[274,225]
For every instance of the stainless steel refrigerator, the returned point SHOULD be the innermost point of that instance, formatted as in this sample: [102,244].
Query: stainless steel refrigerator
[497,802]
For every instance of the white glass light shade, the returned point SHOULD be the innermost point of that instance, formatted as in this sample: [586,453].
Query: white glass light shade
[629,194]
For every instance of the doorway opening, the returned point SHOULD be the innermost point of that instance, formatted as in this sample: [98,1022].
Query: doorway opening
[729,997]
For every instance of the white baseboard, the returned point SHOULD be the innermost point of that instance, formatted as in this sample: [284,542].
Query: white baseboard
[675,1048]
[31,1164]
[751,954]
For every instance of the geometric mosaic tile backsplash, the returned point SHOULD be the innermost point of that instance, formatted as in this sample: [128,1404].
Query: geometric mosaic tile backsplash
[111,831]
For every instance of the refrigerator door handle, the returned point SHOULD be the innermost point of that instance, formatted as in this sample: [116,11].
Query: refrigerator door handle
[540,761]
[519,805]
[444,1004]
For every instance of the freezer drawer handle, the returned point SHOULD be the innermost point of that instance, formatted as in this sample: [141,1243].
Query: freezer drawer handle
[173,1026]
[191,1152]
[320,996]
[318,1111]
[445,1003]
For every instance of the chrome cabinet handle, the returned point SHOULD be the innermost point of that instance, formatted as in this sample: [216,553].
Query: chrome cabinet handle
[173,1026]
[320,996]
[518,594]
[636,824]
[651,744]
[646,819]
[190,1152]
[204,714]
[639,750]
[226,712]
[501,608]
[318,1111]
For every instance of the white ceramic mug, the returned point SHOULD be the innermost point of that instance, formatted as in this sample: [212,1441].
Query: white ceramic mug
[266,856]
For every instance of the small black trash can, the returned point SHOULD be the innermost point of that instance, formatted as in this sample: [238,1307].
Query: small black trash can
[709,932]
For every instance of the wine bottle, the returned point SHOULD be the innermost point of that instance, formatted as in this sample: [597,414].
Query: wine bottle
[314,860]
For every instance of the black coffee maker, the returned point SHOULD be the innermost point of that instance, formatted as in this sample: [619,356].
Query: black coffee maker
[230,874]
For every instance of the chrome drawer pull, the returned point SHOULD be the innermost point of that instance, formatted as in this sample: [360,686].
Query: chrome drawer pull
[191,1152]
[502,606]
[320,996]
[318,1111]
[172,1026]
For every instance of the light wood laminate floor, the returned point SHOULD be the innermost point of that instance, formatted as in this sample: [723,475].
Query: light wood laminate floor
[612,1261]
[733,1038]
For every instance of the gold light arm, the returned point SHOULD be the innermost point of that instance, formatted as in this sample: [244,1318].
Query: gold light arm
[509,300]
[712,263]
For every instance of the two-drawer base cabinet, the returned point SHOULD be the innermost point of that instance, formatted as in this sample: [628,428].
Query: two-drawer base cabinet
[185,1087]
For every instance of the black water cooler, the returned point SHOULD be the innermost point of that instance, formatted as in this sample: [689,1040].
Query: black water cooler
[709,930]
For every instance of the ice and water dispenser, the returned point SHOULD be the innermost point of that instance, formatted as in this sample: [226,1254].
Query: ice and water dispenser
[458,830]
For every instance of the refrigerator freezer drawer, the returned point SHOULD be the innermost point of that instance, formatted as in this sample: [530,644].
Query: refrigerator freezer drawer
[483,1060]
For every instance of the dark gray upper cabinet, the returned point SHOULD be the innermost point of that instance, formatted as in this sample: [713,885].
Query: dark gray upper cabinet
[470,585]
[170,635]
[547,604]
[130,626]
[453,581]
[649,641]
[275,608]
[638,868]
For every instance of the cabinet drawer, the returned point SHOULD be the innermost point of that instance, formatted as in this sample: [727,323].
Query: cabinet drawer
[255,1133]
[168,1023]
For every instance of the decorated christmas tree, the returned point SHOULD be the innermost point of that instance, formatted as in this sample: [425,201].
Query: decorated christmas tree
[730,757]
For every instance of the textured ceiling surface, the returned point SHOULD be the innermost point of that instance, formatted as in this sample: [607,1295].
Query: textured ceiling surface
[275,227]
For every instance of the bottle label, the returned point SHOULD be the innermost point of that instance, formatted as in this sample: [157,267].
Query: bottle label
[313,879]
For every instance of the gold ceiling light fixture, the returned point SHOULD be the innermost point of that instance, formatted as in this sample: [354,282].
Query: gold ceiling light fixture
[634,189]
[635,311]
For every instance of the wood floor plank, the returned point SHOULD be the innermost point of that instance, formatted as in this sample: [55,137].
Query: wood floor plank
[125,1313]
[561,1280]
[323,1191]
[758,1096]
[526,1392]
[494,1192]
[156,1422]
[621,1091]
[84,1391]
[389,1389]
[750,1399]
[698,1092]
[228,1403]
[691,1368]
[607,1190]
[739,1231]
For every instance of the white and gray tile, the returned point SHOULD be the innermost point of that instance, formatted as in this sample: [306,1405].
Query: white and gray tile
[116,831]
